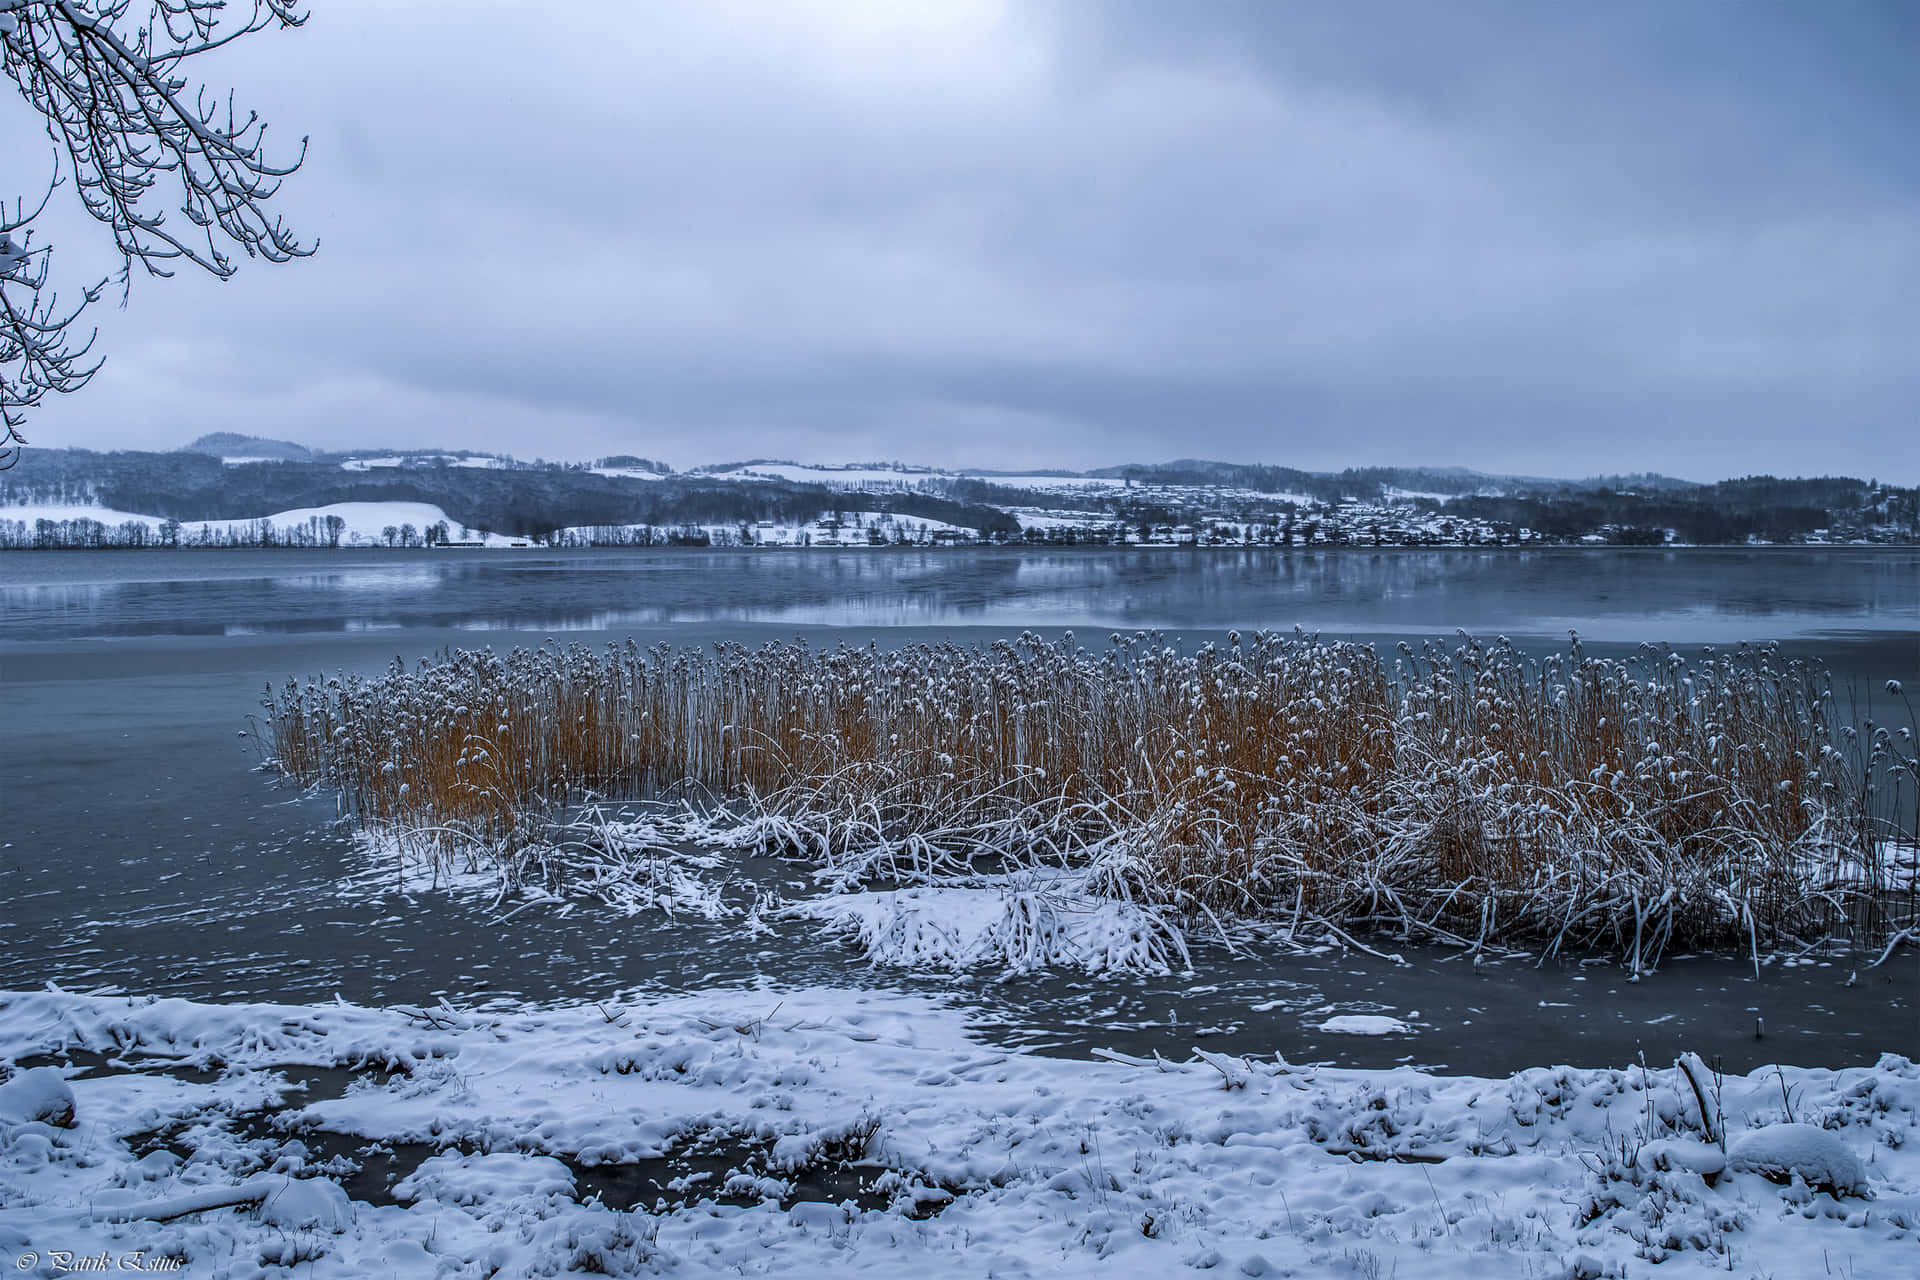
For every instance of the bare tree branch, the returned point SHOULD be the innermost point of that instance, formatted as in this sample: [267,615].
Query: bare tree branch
[137,140]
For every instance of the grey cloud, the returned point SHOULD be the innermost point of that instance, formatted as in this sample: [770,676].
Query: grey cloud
[1552,239]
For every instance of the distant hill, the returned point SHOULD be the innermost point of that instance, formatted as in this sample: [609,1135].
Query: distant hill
[227,475]
[231,444]
[513,499]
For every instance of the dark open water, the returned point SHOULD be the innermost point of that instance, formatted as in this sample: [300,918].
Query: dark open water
[139,848]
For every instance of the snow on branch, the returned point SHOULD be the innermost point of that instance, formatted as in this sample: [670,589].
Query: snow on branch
[137,139]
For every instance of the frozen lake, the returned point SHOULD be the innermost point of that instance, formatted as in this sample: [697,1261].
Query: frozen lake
[142,849]
[1685,597]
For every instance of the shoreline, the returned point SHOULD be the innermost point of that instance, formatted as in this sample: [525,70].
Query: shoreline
[797,1131]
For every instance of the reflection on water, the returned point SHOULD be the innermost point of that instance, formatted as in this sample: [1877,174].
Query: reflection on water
[140,848]
[396,577]
[1704,596]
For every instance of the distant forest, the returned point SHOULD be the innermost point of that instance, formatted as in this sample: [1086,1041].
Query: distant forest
[1761,507]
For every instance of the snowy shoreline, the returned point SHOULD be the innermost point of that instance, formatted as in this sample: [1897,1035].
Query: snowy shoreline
[968,1159]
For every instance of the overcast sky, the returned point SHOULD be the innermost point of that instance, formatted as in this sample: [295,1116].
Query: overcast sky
[1544,238]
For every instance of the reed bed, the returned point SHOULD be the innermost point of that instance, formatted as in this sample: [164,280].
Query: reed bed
[1461,792]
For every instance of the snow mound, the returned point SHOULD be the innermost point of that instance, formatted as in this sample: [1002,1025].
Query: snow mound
[41,1094]
[478,1179]
[1820,1158]
[1584,1266]
[1666,1154]
[1364,1024]
[304,1204]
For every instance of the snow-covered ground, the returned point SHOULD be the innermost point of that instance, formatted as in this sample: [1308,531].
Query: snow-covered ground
[866,1133]
[627,473]
[1033,518]
[57,511]
[366,522]
[409,460]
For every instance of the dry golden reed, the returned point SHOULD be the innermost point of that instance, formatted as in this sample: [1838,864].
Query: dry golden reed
[1466,793]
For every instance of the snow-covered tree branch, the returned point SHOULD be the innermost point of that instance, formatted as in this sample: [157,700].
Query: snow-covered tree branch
[137,139]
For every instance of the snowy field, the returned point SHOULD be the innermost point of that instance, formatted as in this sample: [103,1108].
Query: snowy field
[1032,518]
[365,522]
[401,460]
[814,1132]
[627,473]
[57,511]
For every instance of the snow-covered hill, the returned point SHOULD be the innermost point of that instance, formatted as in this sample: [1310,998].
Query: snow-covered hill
[363,524]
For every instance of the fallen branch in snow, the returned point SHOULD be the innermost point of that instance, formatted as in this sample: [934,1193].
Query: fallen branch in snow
[1126,1059]
[246,1194]
[288,1203]
[1233,1071]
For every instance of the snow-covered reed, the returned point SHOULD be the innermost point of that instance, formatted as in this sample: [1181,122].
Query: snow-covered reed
[1466,793]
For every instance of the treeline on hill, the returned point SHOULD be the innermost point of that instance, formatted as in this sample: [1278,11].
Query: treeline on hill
[988,493]
[520,502]
[1731,511]
[1201,474]
[1367,484]
[1330,489]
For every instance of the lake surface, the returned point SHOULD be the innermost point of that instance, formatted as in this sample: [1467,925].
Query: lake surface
[1687,596]
[140,847]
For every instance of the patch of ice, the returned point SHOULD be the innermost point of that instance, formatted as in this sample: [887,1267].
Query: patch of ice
[1364,1024]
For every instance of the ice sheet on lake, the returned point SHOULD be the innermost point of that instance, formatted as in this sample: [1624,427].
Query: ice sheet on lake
[1364,1024]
